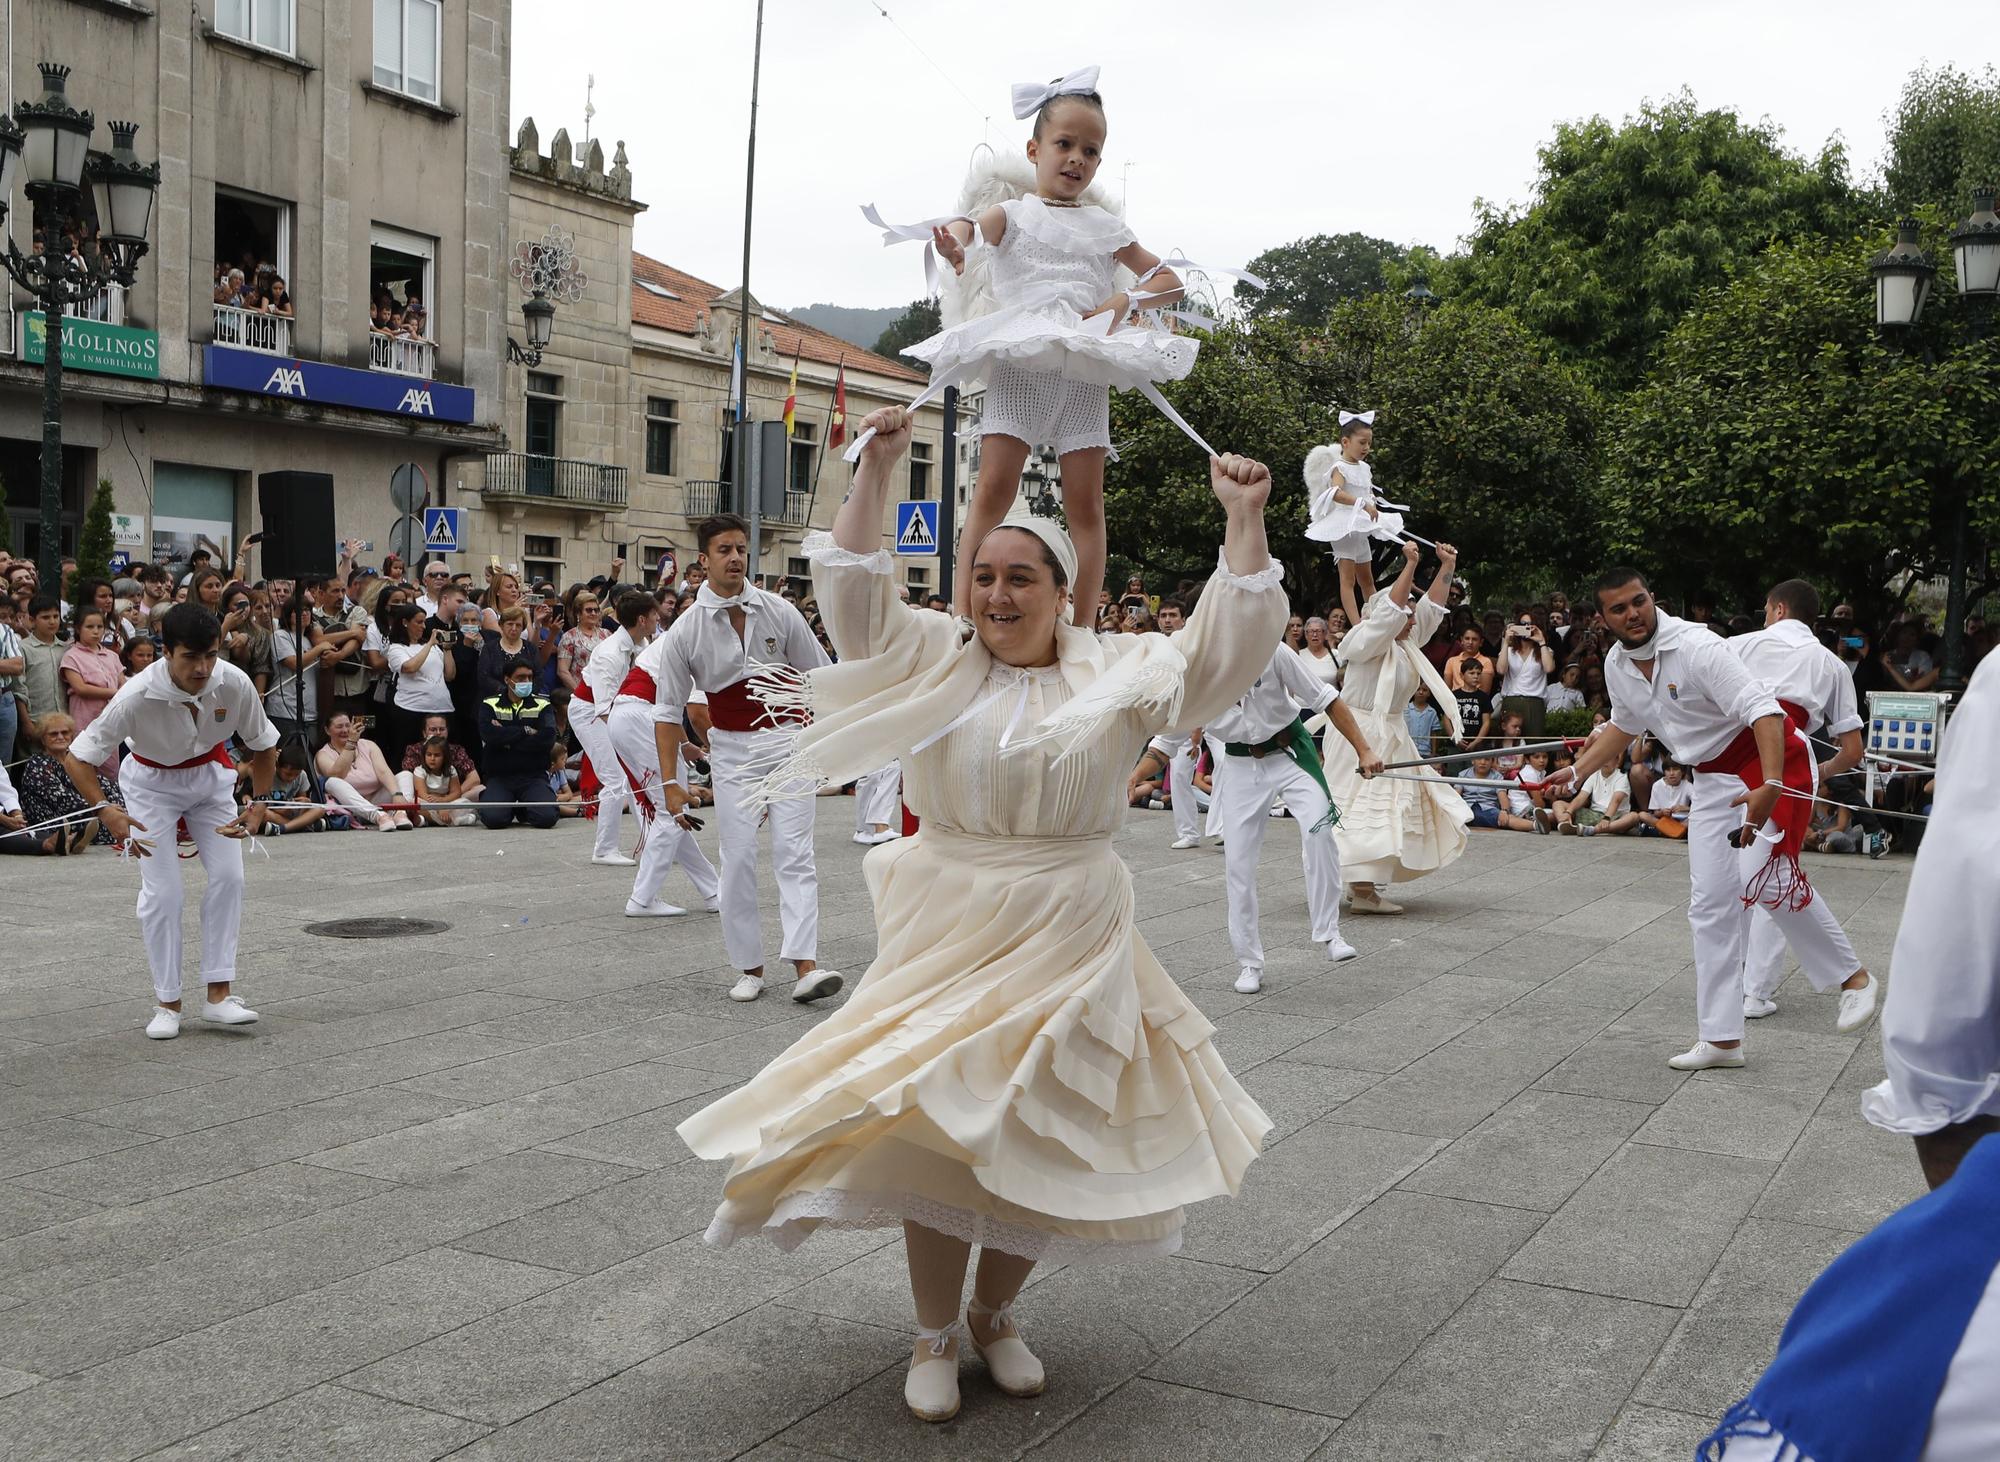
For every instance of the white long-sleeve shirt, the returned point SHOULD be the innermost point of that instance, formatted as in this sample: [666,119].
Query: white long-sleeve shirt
[1700,697]
[166,725]
[702,652]
[1789,659]
[1273,701]
[608,666]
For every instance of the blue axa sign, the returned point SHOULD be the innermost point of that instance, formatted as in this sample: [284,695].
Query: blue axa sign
[332,385]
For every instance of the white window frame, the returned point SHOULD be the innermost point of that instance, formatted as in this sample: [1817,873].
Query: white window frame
[672,421]
[282,245]
[398,80]
[421,246]
[248,35]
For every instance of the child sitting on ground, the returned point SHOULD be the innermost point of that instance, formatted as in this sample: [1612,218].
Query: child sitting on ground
[1670,801]
[569,801]
[438,789]
[292,785]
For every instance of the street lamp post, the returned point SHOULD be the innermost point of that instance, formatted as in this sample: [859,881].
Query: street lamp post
[48,148]
[1903,274]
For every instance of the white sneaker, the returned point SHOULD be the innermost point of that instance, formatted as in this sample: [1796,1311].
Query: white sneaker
[1181,845]
[1250,981]
[1857,1007]
[1756,1007]
[614,859]
[816,985]
[230,1010]
[869,840]
[1339,950]
[712,904]
[1701,1056]
[657,909]
[747,987]
[165,1024]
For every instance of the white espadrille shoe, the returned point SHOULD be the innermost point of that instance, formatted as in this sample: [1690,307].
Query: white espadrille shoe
[931,1388]
[1012,1365]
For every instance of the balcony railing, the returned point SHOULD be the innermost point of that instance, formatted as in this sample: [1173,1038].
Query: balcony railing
[402,355]
[253,330]
[528,477]
[702,498]
[106,307]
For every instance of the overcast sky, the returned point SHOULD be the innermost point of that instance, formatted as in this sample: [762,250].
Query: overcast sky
[1245,123]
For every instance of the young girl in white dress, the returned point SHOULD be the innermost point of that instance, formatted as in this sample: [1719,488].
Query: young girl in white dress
[1047,282]
[1346,511]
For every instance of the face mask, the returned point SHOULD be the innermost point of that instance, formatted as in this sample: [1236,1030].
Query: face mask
[521,689]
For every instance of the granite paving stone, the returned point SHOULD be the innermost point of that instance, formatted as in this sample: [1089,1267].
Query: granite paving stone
[434,1205]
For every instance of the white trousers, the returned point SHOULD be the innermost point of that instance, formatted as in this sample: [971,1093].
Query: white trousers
[878,798]
[666,842]
[1764,945]
[205,796]
[364,809]
[1179,752]
[737,760]
[593,734]
[1217,772]
[1244,795]
[1718,874]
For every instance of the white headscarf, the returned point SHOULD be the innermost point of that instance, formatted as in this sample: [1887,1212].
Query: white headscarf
[1052,536]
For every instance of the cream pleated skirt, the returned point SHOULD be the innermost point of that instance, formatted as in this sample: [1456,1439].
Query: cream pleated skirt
[1015,1070]
[1391,830]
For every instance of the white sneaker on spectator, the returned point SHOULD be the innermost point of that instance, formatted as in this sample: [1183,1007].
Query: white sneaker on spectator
[1756,1007]
[229,1010]
[1339,950]
[816,985]
[1250,981]
[1703,1056]
[165,1024]
[1181,845]
[615,859]
[747,987]
[1857,1007]
[657,909]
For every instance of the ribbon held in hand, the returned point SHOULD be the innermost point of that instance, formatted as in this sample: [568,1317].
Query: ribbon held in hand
[902,233]
[1031,96]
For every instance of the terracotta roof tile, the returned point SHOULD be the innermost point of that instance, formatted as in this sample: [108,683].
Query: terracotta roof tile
[693,296]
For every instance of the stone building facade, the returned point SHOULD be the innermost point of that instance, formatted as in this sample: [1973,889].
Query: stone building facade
[359,160]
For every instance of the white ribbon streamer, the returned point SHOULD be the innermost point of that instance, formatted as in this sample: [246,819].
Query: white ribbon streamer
[1031,96]
[901,233]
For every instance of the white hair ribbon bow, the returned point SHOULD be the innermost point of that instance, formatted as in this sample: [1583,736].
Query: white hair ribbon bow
[1031,96]
[898,233]
[1366,418]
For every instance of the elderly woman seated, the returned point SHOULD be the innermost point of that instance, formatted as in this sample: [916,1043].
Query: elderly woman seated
[47,792]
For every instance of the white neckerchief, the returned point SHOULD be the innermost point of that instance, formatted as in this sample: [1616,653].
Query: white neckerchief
[707,598]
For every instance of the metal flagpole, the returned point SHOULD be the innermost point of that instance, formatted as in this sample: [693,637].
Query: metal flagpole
[742,473]
[819,458]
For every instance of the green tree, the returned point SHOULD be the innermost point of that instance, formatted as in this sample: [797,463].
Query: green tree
[1629,223]
[1944,140]
[1779,436]
[1490,442]
[96,543]
[1308,277]
[919,322]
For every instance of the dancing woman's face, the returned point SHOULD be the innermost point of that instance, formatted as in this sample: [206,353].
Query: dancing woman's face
[1016,601]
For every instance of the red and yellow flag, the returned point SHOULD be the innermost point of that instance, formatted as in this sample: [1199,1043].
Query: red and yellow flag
[838,435]
[792,396]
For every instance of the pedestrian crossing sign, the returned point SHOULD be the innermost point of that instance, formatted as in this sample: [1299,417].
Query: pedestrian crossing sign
[440,530]
[917,529]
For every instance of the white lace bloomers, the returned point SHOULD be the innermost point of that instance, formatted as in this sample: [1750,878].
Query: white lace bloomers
[1015,1069]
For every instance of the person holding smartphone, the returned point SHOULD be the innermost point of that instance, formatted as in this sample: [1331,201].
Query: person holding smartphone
[1526,663]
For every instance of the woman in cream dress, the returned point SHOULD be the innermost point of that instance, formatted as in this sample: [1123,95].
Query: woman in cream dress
[1390,829]
[1016,1070]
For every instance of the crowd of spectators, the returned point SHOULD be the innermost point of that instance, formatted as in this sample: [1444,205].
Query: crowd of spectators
[252,284]
[405,318]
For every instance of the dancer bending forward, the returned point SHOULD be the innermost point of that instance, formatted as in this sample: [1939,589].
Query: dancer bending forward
[1391,830]
[1016,1070]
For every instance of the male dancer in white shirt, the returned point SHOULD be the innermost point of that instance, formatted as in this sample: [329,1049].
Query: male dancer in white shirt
[1809,678]
[177,715]
[1682,683]
[635,741]
[1271,755]
[638,614]
[733,631]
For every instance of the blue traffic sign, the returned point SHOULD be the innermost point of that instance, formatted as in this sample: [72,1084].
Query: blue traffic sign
[917,529]
[441,530]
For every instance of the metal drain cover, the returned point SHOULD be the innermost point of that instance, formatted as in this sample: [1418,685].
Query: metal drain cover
[376,928]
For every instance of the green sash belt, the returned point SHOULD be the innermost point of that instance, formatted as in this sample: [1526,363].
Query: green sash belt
[1296,744]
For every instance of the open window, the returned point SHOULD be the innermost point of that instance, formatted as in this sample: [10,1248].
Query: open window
[402,270]
[254,308]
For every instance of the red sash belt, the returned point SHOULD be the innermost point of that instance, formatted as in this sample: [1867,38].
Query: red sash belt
[582,692]
[218,753]
[734,708]
[1781,882]
[640,684]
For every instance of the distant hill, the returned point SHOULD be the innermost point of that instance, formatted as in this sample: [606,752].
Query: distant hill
[857,327]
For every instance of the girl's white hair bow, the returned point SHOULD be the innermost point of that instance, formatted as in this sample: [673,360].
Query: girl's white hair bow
[1366,418]
[1031,96]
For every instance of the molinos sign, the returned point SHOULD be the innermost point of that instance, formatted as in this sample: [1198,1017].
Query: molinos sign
[332,385]
[90,345]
